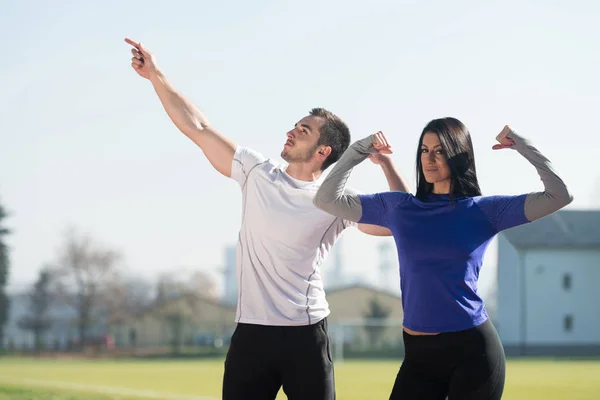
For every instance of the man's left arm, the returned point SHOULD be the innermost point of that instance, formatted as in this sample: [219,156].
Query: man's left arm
[396,183]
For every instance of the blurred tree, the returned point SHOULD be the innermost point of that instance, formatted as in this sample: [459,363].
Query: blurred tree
[179,296]
[38,320]
[177,284]
[175,321]
[83,273]
[4,268]
[377,313]
[126,297]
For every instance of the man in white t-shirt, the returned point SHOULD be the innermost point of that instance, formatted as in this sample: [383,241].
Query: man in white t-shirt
[281,337]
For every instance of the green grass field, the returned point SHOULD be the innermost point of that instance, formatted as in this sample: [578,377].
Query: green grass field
[30,379]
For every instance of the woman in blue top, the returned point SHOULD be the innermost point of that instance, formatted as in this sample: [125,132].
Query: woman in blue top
[441,233]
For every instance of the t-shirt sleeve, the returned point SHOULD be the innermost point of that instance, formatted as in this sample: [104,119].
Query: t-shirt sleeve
[376,207]
[503,212]
[244,159]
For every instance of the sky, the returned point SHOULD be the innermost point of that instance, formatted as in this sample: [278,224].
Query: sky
[85,143]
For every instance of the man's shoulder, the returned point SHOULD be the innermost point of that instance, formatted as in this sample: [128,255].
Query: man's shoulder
[248,155]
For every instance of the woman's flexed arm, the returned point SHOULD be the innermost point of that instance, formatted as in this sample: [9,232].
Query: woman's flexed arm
[556,195]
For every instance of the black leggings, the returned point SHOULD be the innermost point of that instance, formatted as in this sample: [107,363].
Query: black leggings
[467,365]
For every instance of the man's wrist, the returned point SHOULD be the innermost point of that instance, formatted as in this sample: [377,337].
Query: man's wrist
[156,75]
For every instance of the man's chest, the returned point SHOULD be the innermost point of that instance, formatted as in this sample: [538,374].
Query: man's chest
[278,211]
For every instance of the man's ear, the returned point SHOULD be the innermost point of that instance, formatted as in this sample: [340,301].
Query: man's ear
[324,152]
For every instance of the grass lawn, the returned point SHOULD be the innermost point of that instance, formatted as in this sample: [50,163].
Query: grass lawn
[46,379]
[17,393]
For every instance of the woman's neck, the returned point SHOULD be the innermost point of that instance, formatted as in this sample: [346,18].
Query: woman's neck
[441,187]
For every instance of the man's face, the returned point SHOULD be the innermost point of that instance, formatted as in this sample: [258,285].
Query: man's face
[302,140]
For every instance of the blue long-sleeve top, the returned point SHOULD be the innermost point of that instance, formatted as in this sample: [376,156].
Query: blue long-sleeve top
[441,242]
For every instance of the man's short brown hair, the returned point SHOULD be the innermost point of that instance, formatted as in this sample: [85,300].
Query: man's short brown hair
[333,133]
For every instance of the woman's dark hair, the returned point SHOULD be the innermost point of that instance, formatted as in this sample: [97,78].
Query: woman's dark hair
[456,144]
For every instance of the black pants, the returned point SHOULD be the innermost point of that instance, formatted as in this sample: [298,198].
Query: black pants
[467,365]
[262,359]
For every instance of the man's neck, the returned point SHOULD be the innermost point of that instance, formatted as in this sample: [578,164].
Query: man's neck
[303,172]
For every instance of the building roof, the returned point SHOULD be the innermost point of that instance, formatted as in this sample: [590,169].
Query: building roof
[565,228]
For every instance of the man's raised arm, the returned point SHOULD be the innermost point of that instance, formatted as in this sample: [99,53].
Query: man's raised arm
[185,115]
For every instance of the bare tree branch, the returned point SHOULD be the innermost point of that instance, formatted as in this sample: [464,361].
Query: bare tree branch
[83,273]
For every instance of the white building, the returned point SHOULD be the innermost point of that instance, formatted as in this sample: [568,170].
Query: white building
[63,325]
[548,285]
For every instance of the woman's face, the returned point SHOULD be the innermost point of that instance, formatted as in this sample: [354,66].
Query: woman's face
[434,163]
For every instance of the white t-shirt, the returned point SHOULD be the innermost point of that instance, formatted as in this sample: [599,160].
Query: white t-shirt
[283,242]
